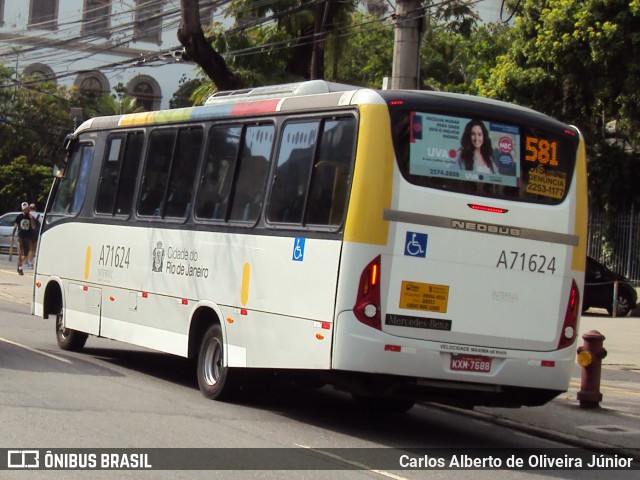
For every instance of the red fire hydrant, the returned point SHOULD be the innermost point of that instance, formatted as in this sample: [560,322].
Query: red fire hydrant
[590,356]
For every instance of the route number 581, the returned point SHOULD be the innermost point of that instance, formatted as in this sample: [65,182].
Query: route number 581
[542,151]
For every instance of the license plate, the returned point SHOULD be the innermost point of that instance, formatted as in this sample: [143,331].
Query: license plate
[470,363]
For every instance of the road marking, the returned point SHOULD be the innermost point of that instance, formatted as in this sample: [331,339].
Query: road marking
[351,462]
[60,359]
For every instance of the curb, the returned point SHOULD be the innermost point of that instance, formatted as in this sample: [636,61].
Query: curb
[544,433]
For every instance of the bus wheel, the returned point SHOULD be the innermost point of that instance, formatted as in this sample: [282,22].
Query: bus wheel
[382,404]
[68,339]
[216,381]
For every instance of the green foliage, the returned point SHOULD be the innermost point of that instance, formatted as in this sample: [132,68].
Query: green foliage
[365,56]
[182,97]
[574,60]
[100,104]
[34,119]
[614,177]
[453,61]
[23,182]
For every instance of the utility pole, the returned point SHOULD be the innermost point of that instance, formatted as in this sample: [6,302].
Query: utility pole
[406,44]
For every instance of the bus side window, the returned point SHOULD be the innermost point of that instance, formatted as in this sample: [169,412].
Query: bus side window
[331,176]
[119,171]
[291,180]
[109,176]
[156,172]
[183,173]
[129,173]
[215,184]
[252,173]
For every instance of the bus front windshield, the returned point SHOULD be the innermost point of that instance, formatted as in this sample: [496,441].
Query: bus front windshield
[71,190]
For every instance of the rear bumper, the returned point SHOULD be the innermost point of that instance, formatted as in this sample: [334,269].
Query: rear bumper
[424,367]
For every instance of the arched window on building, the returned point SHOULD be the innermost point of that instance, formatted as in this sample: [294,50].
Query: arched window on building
[146,92]
[95,82]
[40,73]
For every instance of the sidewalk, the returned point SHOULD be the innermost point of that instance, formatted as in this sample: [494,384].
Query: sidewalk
[14,287]
[615,425]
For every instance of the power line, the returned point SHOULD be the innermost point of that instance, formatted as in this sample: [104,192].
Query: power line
[154,57]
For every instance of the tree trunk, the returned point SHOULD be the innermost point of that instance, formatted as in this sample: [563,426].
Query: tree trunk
[406,45]
[198,49]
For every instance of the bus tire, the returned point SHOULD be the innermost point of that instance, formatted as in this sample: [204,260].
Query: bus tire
[382,404]
[68,339]
[216,381]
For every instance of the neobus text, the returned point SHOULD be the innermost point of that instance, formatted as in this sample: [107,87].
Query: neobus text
[486,227]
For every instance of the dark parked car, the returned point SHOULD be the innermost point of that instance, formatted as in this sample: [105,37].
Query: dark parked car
[598,289]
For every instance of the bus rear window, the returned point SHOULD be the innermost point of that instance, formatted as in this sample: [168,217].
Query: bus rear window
[480,156]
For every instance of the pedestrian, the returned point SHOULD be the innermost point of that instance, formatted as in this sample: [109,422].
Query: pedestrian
[24,226]
[35,233]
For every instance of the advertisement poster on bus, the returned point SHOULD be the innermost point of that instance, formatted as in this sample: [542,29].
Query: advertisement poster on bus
[464,149]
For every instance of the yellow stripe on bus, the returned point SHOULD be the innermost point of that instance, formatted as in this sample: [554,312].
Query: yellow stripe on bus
[579,260]
[87,263]
[246,276]
[372,178]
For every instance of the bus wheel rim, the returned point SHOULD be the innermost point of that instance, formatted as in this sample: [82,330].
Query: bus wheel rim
[60,326]
[212,367]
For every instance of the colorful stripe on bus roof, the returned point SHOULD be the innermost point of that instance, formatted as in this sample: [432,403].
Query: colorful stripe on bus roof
[224,109]
[199,113]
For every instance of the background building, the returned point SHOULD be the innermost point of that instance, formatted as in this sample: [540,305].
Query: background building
[99,44]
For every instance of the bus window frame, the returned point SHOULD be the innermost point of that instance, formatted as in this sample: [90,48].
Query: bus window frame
[126,135]
[175,129]
[243,124]
[321,118]
[525,121]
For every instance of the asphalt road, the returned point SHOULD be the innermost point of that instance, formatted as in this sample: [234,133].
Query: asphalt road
[115,396]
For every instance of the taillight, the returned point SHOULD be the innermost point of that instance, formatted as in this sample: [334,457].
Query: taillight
[367,308]
[570,325]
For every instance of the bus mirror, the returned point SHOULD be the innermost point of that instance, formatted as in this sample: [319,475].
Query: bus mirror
[68,141]
[57,173]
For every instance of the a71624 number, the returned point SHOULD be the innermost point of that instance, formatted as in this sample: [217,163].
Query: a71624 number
[526,262]
[114,256]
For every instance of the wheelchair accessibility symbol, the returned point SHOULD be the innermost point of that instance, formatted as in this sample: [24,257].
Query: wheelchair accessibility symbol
[298,250]
[415,244]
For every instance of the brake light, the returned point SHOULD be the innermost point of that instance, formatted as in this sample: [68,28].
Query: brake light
[485,208]
[570,325]
[367,308]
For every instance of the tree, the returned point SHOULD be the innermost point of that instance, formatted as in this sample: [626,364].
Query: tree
[574,60]
[34,119]
[96,104]
[182,97]
[199,49]
[454,50]
[364,57]
[22,181]
[455,61]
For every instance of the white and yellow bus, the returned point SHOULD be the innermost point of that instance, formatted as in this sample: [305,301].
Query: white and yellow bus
[399,245]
